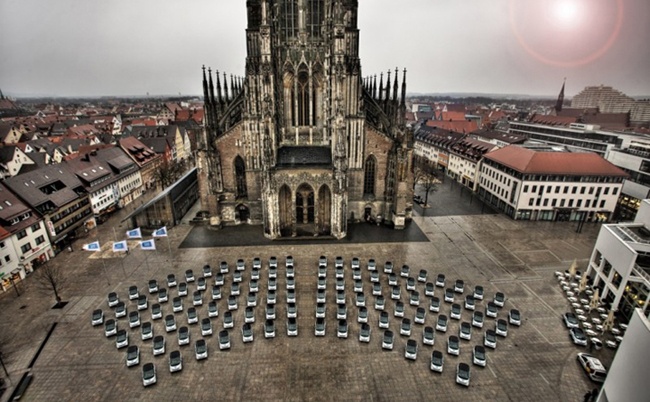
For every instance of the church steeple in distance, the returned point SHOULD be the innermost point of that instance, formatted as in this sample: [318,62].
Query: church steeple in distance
[560,99]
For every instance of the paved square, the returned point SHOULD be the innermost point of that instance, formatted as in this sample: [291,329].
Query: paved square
[535,362]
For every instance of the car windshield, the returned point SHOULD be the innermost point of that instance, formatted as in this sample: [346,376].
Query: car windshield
[182,286]
[490,336]
[146,327]
[227,317]
[97,314]
[463,372]
[399,306]
[110,324]
[514,314]
[501,324]
[578,333]
[478,290]
[175,358]
[411,346]
[132,352]
[148,370]
[158,342]
[223,336]
[442,320]
[200,346]
[388,337]
[478,317]
[455,308]
[453,342]
[464,328]
[571,318]
[436,358]
[363,312]
[121,335]
[479,352]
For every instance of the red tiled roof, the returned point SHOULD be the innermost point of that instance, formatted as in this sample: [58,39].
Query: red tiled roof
[462,126]
[529,161]
[553,120]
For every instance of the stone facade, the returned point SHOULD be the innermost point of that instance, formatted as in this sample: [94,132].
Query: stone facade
[303,144]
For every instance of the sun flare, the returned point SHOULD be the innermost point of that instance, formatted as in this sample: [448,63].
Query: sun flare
[566,11]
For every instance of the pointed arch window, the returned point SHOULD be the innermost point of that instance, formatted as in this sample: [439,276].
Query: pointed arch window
[240,178]
[369,176]
[315,17]
[289,18]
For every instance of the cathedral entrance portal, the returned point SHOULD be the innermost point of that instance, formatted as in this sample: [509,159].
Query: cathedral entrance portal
[324,210]
[243,213]
[285,206]
[305,216]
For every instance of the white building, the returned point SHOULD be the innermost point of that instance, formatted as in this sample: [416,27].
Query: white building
[24,242]
[635,160]
[620,264]
[627,378]
[549,183]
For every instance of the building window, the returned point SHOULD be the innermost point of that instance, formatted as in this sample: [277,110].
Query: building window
[534,189]
[617,279]
[606,191]
[289,18]
[26,247]
[2,244]
[587,202]
[21,234]
[7,258]
[615,191]
[315,17]
[36,226]
[602,203]
[607,268]
[554,202]
[530,202]
[570,202]
[562,202]
[40,240]
[240,177]
[579,203]
[525,188]
[557,189]
[566,189]
[591,190]
[574,190]
[369,176]
[546,202]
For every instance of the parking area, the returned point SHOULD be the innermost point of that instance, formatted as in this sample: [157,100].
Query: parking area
[536,361]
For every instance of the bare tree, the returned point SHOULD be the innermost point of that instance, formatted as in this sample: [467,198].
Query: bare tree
[51,278]
[425,174]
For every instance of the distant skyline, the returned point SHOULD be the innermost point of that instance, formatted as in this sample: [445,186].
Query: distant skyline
[135,47]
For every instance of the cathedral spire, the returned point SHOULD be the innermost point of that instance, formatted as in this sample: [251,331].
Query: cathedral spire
[381,87]
[206,98]
[225,87]
[219,88]
[233,88]
[387,99]
[403,101]
[211,88]
[395,86]
[374,86]
[560,98]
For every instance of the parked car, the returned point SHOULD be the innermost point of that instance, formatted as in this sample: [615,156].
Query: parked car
[132,356]
[207,271]
[383,320]
[158,345]
[182,289]
[411,350]
[269,329]
[465,331]
[441,324]
[388,340]
[435,304]
[342,329]
[388,267]
[189,276]
[153,286]
[514,317]
[142,302]
[428,336]
[146,331]
[429,289]
[399,309]
[490,339]
[404,271]
[437,361]
[200,349]
[478,356]
[177,304]
[206,327]
[120,310]
[170,323]
[148,374]
[420,314]
[449,295]
[455,311]
[133,293]
[319,329]
[228,321]
[593,367]
[405,327]
[478,292]
[171,281]
[113,299]
[578,336]
[292,327]
[501,327]
[491,310]
[440,281]
[453,345]
[192,316]
[110,327]
[223,267]
[224,340]
[156,311]
[362,317]
[477,319]
[364,333]
[175,361]
[470,304]
[571,321]
[462,374]
[97,317]
[459,286]
[499,299]
[134,319]
[183,336]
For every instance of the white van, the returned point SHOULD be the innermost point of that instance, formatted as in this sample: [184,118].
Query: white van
[593,367]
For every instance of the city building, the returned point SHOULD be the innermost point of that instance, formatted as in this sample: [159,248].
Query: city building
[304,144]
[464,157]
[146,159]
[610,100]
[635,161]
[620,264]
[433,145]
[111,179]
[24,243]
[627,377]
[58,196]
[550,183]
[498,138]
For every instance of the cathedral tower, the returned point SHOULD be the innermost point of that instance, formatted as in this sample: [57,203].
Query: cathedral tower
[304,145]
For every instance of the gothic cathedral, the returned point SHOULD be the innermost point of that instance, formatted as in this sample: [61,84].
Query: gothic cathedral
[302,144]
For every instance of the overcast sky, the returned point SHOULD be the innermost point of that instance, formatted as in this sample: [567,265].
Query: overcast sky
[135,47]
